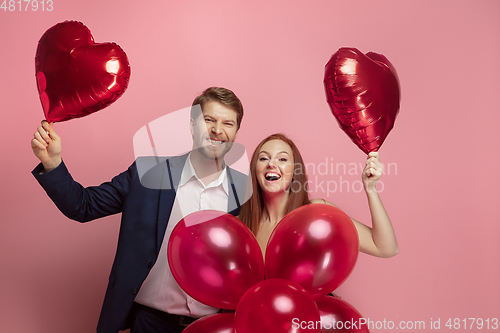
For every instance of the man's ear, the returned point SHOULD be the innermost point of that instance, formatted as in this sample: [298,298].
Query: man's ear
[191,126]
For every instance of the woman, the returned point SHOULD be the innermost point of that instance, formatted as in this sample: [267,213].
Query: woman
[279,186]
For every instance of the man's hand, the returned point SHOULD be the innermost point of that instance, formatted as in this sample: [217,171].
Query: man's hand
[46,145]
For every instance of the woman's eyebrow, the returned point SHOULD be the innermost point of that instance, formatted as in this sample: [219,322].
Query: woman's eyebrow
[280,152]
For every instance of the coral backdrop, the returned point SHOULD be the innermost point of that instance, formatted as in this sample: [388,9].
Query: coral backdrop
[441,186]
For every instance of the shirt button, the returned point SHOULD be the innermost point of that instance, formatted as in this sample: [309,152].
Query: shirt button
[135,292]
[150,264]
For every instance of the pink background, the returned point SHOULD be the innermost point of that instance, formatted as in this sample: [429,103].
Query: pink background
[443,199]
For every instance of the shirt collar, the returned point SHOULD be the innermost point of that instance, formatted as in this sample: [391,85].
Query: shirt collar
[188,173]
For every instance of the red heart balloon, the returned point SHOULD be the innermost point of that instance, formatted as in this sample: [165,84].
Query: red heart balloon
[363,94]
[76,76]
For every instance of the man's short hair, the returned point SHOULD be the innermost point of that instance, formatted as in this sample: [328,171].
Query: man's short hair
[223,96]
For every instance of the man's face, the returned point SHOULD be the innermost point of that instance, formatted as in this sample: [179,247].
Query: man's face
[215,131]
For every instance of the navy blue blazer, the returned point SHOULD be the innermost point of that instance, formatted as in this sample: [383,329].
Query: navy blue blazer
[145,212]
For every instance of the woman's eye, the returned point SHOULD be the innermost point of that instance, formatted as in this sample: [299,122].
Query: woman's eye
[262,158]
[283,159]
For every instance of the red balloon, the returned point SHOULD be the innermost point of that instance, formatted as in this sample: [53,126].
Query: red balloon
[277,306]
[363,94]
[216,323]
[76,76]
[215,258]
[316,246]
[339,316]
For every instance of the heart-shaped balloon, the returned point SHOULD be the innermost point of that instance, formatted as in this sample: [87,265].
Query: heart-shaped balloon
[363,94]
[76,76]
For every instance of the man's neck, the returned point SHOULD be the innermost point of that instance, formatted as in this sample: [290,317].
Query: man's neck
[207,170]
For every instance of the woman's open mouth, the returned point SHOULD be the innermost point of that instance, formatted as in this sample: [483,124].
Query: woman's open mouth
[272,176]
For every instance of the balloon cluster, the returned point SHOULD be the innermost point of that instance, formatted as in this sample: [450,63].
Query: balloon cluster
[216,259]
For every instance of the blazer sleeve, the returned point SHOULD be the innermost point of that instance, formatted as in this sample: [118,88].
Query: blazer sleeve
[85,203]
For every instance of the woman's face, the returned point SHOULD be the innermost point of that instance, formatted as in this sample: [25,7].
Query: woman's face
[275,166]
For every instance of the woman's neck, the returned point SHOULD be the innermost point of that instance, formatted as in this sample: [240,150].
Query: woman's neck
[275,204]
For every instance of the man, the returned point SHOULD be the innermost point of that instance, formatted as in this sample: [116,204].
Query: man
[142,293]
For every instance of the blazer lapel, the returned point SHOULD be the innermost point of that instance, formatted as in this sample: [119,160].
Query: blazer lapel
[171,176]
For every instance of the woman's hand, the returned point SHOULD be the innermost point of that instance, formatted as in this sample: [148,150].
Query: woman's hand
[379,240]
[372,171]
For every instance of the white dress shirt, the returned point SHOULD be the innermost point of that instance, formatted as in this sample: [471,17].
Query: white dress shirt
[160,290]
